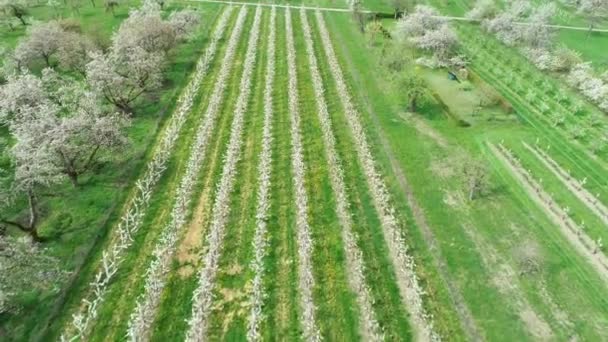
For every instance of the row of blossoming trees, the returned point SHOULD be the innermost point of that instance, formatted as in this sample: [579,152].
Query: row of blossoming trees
[537,41]
[132,219]
[66,119]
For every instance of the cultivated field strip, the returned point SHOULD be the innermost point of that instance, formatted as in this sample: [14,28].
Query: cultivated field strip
[260,239]
[371,330]
[136,209]
[570,229]
[203,295]
[304,238]
[575,186]
[404,265]
[156,274]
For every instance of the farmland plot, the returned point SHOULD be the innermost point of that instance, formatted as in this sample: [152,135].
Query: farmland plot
[289,213]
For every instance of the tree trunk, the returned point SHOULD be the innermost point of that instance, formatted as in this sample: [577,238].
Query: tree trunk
[20,17]
[47,60]
[124,107]
[33,222]
[413,104]
[31,198]
[73,176]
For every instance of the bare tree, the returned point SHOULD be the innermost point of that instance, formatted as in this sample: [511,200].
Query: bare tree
[399,6]
[356,8]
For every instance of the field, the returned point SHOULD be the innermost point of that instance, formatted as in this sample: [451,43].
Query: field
[280,189]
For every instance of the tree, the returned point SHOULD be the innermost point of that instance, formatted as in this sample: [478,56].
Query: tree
[537,34]
[110,6]
[21,92]
[184,22]
[43,41]
[25,267]
[393,57]
[593,10]
[399,6]
[6,18]
[75,52]
[62,121]
[83,130]
[425,29]
[504,24]
[122,78]
[441,42]
[414,88]
[475,176]
[423,19]
[34,167]
[16,8]
[146,29]
[356,8]
[373,29]
[483,9]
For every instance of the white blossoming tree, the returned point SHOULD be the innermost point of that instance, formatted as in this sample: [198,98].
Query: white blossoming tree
[42,42]
[145,29]
[184,22]
[121,78]
[25,267]
[426,30]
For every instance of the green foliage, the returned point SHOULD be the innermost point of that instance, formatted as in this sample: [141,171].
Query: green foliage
[414,88]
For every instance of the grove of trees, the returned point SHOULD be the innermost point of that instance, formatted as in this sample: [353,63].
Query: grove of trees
[66,104]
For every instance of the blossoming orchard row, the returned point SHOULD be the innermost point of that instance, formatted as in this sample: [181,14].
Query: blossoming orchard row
[403,263]
[305,243]
[157,272]
[260,240]
[137,207]
[203,297]
[354,258]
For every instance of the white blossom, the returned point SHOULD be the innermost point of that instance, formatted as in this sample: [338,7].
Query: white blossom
[184,22]
[137,207]
[260,239]
[403,263]
[156,275]
[42,42]
[304,240]
[354,258]
[203,294]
